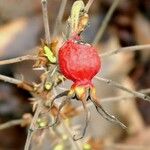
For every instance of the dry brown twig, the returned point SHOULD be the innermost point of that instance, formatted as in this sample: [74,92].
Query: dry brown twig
[126,49]
[24,121]
[32,125]
[22,84]
[119,86]
[10,80]
[10,124]
[18,59]
[46,22]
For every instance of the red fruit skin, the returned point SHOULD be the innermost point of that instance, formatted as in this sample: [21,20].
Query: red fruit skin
[79,62]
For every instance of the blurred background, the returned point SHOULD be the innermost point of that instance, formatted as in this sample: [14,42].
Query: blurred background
[21,29]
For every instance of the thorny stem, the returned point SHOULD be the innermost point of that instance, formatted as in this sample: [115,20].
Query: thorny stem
[59,17]
[22,84]
[45,20]
[18,59]
[117,85]
[105,22]
[117,98]
[10,80]
[10,124]
[125,49]
[32,126]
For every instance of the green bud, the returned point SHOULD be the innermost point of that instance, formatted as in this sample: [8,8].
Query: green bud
[48,85]
[41,123]
[87,147]
[49,54]
[59,147]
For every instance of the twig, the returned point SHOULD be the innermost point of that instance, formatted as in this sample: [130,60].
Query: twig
[59,17]
[21,84]
[10,80]
[32,126]
[18,59]
[113,99]
[10,124]
[126,49]
[117,85]
[118,98]
[105,22]
[88,5]
[46,22]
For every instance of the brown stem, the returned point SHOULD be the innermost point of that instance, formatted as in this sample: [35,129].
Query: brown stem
[119,86]
[126,49]
[46,22]
[10,124]
[18,59]
[32,127]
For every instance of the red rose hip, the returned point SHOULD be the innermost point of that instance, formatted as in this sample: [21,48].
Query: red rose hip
[79,62]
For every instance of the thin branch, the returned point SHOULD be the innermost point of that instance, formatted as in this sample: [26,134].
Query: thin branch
[32,126]
[18,59]
[46,22]
[10,124]
[10,80]
[88,5]
[59,17]
[105,22]
[126,49]
[119,86]
[119,98]
[21,84]
[116,98]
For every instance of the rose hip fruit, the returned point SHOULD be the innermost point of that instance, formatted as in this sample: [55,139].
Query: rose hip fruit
[79,62]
